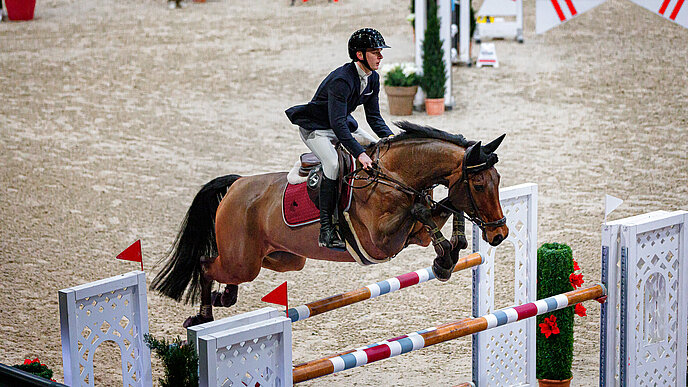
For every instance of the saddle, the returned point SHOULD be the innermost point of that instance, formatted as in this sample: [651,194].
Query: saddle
[312,169]
[308,162]
[300,204]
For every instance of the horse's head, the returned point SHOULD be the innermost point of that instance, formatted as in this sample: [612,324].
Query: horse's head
[475,190]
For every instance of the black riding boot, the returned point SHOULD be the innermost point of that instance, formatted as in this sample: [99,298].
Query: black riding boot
[328,235]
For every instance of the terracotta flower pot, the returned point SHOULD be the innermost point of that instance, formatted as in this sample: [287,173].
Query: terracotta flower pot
[554,383]
[20,9]
[434,106]
[401,99]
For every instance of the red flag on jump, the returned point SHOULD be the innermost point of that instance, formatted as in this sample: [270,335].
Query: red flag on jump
[132,253]
[278,296]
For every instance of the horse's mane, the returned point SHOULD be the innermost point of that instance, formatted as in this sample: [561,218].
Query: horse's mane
[411,130]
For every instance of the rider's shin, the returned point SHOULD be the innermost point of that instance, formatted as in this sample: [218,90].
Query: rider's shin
[328,235]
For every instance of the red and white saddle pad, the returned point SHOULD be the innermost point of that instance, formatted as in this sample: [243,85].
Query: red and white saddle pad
[298,209]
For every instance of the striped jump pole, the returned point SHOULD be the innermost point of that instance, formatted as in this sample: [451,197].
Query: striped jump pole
[377,289]
[442,333]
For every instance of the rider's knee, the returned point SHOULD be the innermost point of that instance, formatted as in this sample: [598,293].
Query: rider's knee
[330,168]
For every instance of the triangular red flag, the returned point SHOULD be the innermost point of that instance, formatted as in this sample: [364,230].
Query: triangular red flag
[278,296]
[132,253]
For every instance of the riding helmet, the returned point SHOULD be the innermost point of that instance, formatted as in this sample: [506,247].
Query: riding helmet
[365,39]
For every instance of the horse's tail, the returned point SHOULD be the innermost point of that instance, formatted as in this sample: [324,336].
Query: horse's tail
[196,239]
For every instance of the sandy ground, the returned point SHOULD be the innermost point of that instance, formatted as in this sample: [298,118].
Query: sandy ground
[113,114]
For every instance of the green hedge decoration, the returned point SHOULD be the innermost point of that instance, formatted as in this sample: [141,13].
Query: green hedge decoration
[555,354]
[180,361]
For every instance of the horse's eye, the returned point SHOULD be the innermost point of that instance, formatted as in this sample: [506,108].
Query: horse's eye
[479,188]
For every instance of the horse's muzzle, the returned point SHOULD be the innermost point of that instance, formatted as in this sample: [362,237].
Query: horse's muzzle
[496,238]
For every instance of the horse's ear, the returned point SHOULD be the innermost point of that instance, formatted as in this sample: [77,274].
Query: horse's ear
[473,154]
[491,147]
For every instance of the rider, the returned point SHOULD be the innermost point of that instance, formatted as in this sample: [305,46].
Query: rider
[327,119]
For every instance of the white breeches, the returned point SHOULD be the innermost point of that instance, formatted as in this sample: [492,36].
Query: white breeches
[321,142]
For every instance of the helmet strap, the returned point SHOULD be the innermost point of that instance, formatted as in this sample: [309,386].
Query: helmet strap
[365,60]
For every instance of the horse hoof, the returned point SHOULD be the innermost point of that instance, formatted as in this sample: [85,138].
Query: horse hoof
[229,297]
[195,320]
[459,242]
[226,298]
[442,274]
[216,298]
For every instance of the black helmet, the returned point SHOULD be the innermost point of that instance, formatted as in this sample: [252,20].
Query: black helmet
[365,39]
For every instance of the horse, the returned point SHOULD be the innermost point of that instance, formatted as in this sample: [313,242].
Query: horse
[234,226]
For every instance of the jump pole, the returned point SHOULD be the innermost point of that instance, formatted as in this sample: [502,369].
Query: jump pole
[377,289]
[445,332]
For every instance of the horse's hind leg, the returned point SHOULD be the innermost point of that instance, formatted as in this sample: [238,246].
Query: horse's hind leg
[278,261]
[282,261]
[206,311]
[226,298]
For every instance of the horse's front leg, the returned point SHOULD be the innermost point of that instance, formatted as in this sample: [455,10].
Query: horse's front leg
[444,263]
[440,215]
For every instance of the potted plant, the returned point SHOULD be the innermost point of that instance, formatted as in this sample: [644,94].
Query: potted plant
[401,85]
[20,9]
[556,274]
[434,72]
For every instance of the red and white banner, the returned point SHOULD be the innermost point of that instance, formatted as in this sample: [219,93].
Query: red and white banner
[674,10]
[551,13]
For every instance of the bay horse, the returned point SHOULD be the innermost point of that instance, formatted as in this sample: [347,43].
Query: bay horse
[235,226]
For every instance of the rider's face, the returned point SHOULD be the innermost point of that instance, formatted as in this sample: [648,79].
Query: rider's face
[374,57]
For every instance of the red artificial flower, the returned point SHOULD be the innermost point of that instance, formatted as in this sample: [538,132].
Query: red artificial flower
[575,265]
[576,280]
[36,360]
[580,310]
[27,361]
[549,327]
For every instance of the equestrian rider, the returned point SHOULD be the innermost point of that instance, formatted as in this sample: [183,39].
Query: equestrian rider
[326,120]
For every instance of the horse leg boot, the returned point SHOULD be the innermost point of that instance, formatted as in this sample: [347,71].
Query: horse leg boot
[443,265]
[328,235]
[458,239]
[206,311]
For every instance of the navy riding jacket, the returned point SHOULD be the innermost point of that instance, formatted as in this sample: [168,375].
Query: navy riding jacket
[337,96]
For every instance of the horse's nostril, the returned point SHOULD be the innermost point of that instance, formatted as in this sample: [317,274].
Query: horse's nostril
[497,240]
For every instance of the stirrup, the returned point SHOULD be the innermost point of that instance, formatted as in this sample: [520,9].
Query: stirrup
[330,240]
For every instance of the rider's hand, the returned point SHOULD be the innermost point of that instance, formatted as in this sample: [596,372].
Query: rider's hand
[365,160]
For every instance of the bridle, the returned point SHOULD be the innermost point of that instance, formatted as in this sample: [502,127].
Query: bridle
[475,217]
[376,175]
